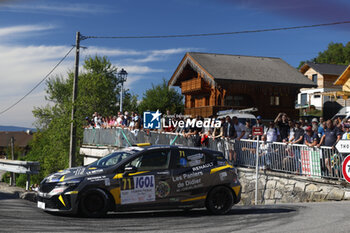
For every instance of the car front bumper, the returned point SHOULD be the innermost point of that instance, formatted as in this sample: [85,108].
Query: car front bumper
[63,202]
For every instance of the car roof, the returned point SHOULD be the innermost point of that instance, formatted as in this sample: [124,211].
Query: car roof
[178,147]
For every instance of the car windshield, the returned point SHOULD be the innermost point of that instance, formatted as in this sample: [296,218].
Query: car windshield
[111,159]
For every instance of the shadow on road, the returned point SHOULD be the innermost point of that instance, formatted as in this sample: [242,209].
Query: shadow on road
[4,196]
[202,212]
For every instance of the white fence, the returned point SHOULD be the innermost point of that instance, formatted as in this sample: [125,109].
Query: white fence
[297,159]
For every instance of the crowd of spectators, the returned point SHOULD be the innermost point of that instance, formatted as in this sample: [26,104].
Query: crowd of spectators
[282,129]
[131,121]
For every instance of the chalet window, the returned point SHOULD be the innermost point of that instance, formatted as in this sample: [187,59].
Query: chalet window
[274,100]
[314,78]
[303,99]
[317,96]
[229,100]
[238,101]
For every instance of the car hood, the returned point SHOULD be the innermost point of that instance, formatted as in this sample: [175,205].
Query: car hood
[72,173]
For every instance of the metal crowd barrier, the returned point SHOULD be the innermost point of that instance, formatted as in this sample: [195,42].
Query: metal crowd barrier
[17,166]
[296,159]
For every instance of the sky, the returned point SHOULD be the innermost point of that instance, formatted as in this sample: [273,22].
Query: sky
[35,35]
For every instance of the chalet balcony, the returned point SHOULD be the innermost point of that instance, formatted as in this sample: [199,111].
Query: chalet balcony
[192,85]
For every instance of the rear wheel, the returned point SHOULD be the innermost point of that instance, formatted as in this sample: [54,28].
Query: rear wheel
[220,200]
[94,203]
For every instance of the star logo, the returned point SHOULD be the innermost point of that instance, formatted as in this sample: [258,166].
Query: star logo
[151,120]
[156,115]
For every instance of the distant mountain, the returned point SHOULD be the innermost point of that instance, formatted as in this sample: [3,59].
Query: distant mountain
[14,128]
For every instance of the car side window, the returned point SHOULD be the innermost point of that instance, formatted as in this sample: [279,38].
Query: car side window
[189,158]
[152,160]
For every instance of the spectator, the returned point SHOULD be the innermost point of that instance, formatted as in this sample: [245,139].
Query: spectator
[229,129]
[314,124]
[310,137]
[331,136]
[239,128]
[282,122]
[303,124]
[248,130]
[196,137]
[299,134]
[346,135]
[272,133]
[291,131]
[230,133]
[219,131]
[259,124]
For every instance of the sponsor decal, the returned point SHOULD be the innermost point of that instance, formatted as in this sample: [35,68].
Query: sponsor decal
[203,166]
[137,189]
[92,172]
[162,189]
[223,176]
[79,171]
[96,178]
[107,182]
[188,181]
[183,162]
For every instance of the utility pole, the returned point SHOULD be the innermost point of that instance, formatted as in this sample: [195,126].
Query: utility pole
[121,98]
[13,175]
[72,144]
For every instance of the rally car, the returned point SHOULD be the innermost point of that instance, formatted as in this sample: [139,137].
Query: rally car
[148,178]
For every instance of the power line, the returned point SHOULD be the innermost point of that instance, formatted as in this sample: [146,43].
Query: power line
[18,101]
[214,34]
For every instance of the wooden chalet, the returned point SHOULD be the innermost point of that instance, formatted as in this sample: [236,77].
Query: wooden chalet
[214,82]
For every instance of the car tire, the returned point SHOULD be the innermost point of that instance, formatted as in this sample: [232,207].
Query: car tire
[94,203]
[219,200]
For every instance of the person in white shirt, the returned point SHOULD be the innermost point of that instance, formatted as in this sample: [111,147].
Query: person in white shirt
[120,120]
[239,128]
[272,133]
[346,135]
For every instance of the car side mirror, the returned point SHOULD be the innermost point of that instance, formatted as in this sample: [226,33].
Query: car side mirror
[130,169]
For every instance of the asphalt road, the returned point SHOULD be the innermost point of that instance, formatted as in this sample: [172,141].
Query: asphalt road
[18,215]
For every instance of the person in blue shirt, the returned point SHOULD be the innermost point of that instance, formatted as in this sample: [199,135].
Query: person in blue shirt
[310,137]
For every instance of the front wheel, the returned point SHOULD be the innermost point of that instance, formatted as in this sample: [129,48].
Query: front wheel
[220,200]
[94,203]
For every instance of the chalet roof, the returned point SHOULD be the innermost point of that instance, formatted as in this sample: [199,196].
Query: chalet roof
[21,138]
[323,68]
[343,78]
[243,69]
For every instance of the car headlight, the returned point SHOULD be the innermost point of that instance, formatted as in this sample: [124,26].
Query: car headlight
[63,186]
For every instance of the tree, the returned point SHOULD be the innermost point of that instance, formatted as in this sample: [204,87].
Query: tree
[163,98]
[130,102]
[336,53]
[98,91]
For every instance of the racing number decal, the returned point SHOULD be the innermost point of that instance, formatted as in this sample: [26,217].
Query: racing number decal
[127,184]
[182,154]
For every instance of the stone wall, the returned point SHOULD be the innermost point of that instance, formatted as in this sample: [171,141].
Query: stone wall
[275,187]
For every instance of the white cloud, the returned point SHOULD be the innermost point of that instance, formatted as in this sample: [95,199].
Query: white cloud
[22,67]
[21,115]
[49,8]
[22,29]
[93,50]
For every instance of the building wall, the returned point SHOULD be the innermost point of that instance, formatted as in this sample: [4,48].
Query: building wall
[320,78]
[269,99]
